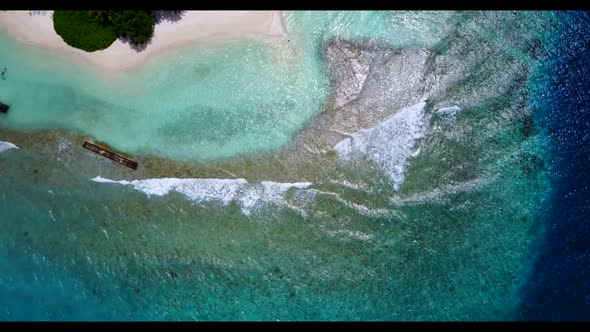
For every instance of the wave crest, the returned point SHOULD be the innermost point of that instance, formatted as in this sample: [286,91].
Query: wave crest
[4,146]
[390,143]
[249,196]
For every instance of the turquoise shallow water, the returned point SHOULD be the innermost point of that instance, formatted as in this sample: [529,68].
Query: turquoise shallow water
[455,242]
[256,95]
[166,108]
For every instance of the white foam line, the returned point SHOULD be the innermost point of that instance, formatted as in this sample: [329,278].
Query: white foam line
[224,191]
[4,146]
[438,194]
[229,173]
[340,132]
[390,143]
[310,150]
[297,209]
[375,213]
[449,112]
[350,185]
[347,234]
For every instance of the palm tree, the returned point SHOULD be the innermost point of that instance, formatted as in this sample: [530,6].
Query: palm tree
[103,17]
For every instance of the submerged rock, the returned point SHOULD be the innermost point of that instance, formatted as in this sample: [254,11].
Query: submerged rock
[4,108]
[527,126]
[375,77]
[349,67]
[371,82]
[532,163]
[535,50]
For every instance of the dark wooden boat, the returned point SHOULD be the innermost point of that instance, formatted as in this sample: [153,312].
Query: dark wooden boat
[111,155]
[4,108]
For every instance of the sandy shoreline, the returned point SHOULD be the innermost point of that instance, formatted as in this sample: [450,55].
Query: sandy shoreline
[194,27]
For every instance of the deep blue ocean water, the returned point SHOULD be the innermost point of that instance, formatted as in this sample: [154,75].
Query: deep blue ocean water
[559,288]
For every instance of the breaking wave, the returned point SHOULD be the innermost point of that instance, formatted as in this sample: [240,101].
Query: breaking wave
[224,191]
[4,146]
[390,143]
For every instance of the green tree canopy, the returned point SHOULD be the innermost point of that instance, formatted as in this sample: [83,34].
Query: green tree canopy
[138,25]
[81,30]
[98,29]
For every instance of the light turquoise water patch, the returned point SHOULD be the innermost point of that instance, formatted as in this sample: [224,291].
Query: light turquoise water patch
[205,102]
[394,28]
[201,104]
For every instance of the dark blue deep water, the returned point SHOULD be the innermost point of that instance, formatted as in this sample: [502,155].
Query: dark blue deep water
[559,288]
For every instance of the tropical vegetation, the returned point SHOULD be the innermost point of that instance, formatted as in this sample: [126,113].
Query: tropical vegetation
[81,30]
[98,29]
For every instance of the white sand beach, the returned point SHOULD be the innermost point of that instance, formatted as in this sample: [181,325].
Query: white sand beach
[195,26]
